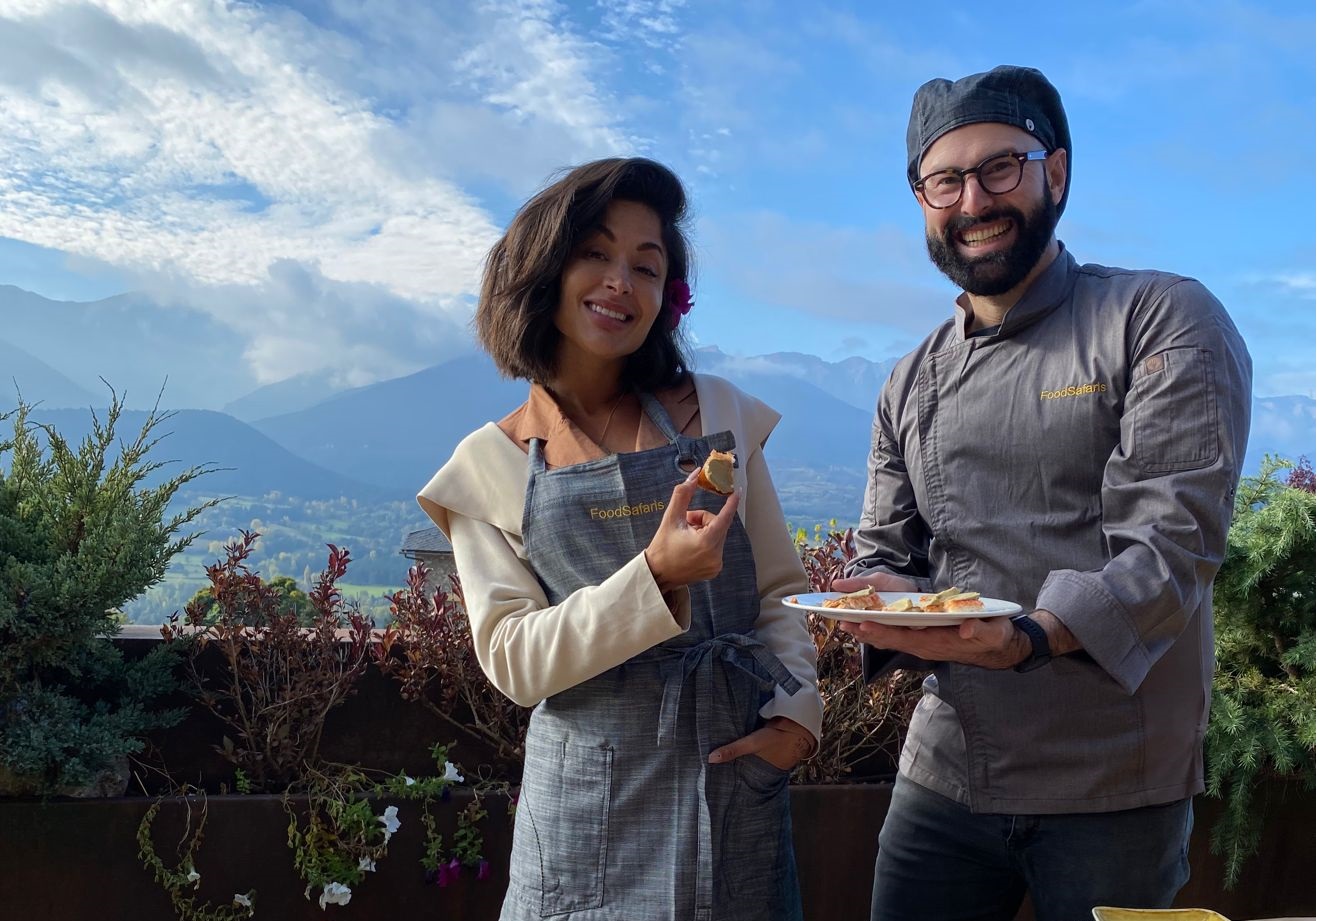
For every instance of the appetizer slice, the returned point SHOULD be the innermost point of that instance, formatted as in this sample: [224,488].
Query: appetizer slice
[716,474]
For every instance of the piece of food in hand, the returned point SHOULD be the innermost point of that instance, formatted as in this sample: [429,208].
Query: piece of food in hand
[716,474]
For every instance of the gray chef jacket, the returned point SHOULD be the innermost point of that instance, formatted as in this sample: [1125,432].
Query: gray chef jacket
[1082,459]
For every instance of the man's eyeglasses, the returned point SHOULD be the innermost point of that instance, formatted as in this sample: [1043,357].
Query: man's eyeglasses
[997,175]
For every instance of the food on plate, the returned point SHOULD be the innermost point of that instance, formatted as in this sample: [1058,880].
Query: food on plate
[716,474]
[965,601]
[950,600]
[866,599]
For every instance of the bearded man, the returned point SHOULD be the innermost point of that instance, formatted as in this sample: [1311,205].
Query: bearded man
[1071,440]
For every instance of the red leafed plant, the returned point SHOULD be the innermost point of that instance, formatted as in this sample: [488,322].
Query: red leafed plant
[428,650]
[1301,476]
[281,677]
[863,723]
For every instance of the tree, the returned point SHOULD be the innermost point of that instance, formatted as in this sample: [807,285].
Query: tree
[80,535]
[1262,721]
[288,598]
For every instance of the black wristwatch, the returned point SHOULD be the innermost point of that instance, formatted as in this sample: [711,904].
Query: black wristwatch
[1040,653]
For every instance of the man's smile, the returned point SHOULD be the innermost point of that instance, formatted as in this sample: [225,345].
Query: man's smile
[984,233]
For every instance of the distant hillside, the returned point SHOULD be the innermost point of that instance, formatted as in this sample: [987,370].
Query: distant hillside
[817,452]
[253,464]
[21,373]
[856,381]
[396,433]
[287,396]
[132,342]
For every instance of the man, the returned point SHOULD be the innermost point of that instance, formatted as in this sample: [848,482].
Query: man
[1071,441]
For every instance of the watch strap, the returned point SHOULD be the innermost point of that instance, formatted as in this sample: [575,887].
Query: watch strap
[1040,650]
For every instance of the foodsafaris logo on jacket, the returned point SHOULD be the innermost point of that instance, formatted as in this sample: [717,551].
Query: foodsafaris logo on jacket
[1073,390]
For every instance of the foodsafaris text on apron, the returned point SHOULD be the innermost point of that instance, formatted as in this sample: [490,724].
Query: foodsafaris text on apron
[627,511]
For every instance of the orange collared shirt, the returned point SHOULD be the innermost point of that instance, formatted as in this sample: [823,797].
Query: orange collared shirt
[564,444]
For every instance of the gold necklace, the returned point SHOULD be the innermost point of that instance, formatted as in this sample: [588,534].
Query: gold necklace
[609,421]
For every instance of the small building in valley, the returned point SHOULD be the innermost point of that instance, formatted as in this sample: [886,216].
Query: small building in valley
[429,546]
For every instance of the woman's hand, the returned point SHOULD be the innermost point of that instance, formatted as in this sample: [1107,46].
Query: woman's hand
[688,546]
[781,742]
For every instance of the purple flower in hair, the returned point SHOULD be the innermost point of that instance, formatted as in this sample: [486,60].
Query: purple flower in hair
[679,301]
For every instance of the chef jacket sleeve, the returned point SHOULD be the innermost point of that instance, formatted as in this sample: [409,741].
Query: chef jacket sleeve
[1168,487]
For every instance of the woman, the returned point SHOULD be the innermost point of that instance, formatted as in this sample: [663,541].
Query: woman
[641,616]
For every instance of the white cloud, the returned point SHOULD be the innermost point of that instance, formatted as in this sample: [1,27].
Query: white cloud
[536,65]
[655,23]
[1298,283]
[211,146]
[300,321]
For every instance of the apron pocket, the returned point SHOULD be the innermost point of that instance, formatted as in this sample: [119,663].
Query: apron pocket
[559,840]
[756,833]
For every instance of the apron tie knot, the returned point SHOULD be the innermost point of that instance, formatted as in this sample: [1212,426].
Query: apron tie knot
[744,653]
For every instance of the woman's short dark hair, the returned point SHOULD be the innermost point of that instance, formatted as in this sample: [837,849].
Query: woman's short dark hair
[523,271]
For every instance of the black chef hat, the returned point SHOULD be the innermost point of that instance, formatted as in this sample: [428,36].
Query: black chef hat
[1019,96]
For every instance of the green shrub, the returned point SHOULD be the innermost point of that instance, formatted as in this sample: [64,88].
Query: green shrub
[1262,722]
[80,535]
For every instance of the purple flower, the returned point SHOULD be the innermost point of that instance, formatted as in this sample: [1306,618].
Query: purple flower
[482,870]
[431,877]
[443,876]
[679,301]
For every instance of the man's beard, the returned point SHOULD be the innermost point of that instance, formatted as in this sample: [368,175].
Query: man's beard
[995,273]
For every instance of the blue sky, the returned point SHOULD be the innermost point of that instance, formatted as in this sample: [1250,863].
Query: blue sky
[325,177]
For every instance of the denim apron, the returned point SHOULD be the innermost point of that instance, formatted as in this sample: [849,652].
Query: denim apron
[620,816]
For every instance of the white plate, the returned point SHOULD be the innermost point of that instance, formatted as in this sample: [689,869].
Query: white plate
[992,607]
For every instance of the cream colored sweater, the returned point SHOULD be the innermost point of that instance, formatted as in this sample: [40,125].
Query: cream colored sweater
[531,649]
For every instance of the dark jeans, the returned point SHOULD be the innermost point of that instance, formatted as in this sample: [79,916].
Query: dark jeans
[937,861]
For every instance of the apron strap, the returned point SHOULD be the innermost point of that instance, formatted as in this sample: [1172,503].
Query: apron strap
[676,666]
[536,456]
[659,416]
[737,650]
[687,452]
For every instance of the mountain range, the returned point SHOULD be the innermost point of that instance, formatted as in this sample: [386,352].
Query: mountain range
[306,438]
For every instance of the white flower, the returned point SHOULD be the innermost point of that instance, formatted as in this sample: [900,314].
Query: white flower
[307,892]
[366,865]
[243,901]
[450,773]
[390,822]
[194,877]
[407,781]
[335,894]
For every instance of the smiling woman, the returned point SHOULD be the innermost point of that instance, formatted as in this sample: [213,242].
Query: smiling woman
[603,586]
[569,235]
